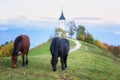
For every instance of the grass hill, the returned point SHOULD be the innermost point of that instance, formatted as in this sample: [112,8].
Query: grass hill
[87,63]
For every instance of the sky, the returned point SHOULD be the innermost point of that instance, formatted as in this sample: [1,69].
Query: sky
[100,17]
[101,10]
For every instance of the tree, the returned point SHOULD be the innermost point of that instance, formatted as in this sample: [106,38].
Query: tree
[80,37]
[81,33]
[89,38]
[101,45]
[72,28]
[81,29]
[60,33]
[6,43]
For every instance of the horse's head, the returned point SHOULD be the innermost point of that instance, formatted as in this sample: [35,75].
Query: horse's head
[14,61]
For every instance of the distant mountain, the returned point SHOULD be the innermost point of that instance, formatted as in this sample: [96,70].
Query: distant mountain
[108,32]
[36,36]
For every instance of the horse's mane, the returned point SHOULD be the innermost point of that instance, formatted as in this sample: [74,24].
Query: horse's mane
[15,50]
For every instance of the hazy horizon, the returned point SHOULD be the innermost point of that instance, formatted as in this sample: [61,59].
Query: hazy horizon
[106,33]
[100,17]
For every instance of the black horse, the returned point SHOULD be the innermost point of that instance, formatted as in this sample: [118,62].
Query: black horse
[59,48]
[21,44]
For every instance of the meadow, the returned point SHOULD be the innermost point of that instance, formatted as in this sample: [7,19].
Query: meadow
[87,63]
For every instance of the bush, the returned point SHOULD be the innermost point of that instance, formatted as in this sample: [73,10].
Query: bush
[6,50]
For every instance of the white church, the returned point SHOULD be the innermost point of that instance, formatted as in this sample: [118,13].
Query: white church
[62,29]
[62,21]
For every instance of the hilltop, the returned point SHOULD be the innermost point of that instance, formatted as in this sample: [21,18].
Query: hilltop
[87,63]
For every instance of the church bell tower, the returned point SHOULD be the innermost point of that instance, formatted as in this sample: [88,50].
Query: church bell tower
[61,31]
[62,21]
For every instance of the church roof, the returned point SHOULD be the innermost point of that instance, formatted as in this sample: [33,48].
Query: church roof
[62,16]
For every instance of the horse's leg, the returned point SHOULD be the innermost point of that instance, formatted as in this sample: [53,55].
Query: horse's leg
[62,62]
[23,57]
[26,59]
[54,61]
[65,60]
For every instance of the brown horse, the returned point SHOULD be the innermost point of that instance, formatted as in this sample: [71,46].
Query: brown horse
[21,44]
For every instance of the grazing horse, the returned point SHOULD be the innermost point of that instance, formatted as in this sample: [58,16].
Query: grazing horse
[59,48]
[21,44]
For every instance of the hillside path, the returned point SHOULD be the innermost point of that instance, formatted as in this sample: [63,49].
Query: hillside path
[78,45]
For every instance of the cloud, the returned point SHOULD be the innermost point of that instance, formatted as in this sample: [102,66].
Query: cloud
[88,18]
[91,23]
[3,28]
[117,32]
[94,20]
[46,18]
[26,23]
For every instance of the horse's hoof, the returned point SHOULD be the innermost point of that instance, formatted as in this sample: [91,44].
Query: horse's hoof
[54,70]
[13,66]
[63,68]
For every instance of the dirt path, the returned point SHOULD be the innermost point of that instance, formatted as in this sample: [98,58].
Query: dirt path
[78,45]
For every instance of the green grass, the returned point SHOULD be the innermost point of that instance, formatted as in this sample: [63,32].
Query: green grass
[83,64]
[72,44]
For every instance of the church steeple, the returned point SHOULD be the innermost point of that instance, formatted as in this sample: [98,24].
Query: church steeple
[62,16]
[62,21]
